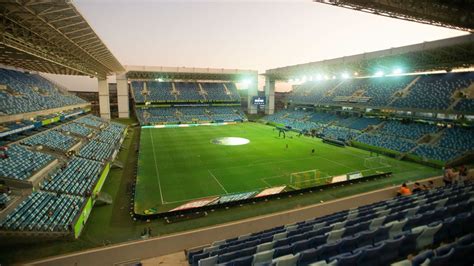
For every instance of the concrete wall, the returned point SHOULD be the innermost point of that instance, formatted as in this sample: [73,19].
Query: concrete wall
[270,94]
[122,96]
[104,101]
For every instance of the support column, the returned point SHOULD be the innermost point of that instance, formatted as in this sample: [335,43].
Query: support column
[122,96]
[104,101]
[251,92]
[270,94]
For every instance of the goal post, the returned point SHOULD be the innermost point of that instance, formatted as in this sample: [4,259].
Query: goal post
[375,165]
[378,162]
[307,178]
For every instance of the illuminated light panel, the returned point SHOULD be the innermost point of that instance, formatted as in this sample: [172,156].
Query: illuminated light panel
[379,73]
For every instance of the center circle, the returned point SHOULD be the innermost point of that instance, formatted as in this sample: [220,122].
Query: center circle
[230,141]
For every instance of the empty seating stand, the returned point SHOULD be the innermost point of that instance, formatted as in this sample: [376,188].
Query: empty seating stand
[376,234]
[89,121]
[64,191]
[174,115]
[52,139]
[411,131]
[22,162]
[43,211]
[104,144]
[77,177]
[426,92]
[26,93]
[76,128]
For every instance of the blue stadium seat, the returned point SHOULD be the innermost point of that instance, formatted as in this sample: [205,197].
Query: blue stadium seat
[442,257]
[422,257]
[347,258]
[370,254]
[390,250]
[31,92]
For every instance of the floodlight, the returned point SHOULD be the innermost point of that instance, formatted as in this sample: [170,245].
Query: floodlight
[333,77]
[356,74]
[246,81]
[319,77]
[397,71]
[379,73]
[326,77]
[159,79]
[345,75]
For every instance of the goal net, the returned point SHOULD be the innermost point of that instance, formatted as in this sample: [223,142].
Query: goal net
[377,163]
[308,178]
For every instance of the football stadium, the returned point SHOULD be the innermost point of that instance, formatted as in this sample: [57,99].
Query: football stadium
[359,158]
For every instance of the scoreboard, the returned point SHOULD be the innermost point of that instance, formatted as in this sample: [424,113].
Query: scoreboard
[257,100]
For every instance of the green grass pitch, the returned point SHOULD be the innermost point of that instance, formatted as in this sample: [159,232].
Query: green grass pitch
[177,165]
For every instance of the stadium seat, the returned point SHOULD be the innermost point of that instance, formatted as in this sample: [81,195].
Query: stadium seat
[264,256]
[347,258]
[370,255]
[208,261]
[287,260]
[422,257]
[390,250]
[31,92]
[442,257]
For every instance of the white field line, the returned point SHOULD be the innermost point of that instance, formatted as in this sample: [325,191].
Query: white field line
[156,168]
[263,180]
[223,188]
[269,162]
[178,201]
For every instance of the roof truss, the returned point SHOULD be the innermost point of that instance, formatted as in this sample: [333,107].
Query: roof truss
[55,33]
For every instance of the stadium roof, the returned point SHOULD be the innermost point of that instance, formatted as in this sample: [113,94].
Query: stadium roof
[52,36]
[447,54]
[187,73]
[457,14]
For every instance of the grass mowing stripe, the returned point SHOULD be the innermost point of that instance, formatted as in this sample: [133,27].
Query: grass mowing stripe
[156,167]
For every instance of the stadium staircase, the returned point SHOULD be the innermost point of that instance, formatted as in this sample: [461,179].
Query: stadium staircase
[104,199]
[378,126]
[208,113]
[404,92]
[457,99]
[145,92]
[436,136]
[174,91]
[178,114]
[333,89]
[202,91]
[411,151]
[227,91]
